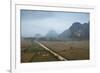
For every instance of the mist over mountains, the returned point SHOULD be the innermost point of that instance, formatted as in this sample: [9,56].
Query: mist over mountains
[52,34]
[76,31]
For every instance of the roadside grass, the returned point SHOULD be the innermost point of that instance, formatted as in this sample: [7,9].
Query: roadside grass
[36,53]
[34,48]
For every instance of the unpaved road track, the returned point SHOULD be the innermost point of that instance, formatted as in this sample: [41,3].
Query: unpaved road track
[55,54]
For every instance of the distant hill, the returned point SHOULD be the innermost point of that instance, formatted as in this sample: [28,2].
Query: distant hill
[51,34]
[65,34]
[77,31]
[85,31]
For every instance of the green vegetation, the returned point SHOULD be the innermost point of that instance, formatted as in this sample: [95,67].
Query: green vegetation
[36,53]
[34,48]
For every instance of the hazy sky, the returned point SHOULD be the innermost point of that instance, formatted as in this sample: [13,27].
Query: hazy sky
[40,22]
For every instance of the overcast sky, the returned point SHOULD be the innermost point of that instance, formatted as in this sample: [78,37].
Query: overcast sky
[40,22]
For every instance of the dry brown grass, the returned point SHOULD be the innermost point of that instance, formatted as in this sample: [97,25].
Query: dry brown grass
[26,57]
[72,50]
[32,52]
[26,44]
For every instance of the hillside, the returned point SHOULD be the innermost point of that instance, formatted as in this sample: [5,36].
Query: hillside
[76,31]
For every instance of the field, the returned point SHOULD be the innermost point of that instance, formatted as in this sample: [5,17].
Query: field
[71,50]
[32,52]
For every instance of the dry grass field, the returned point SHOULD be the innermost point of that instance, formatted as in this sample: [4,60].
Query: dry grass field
[32,52]
[71,50]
